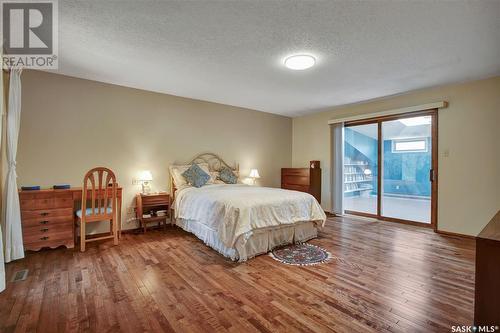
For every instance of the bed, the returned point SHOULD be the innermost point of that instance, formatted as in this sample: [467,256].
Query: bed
[242,221]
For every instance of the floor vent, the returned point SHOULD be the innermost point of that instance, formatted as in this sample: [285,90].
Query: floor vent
[20,275]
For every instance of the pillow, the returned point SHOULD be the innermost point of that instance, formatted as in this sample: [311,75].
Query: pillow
[177,170]
[227,176]
[196,176]
[214,178]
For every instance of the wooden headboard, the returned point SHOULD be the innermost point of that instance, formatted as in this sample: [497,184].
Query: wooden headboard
[215,163]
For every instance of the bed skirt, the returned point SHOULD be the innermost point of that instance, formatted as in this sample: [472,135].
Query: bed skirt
[253,243]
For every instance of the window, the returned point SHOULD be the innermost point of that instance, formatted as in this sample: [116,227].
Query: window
[409,146]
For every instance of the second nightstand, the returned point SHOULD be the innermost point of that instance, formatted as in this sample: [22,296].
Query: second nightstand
[151,204]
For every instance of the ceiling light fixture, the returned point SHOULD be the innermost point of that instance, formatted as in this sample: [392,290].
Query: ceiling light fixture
[300,62]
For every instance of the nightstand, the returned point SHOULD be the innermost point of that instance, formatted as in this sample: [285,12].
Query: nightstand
[151,204]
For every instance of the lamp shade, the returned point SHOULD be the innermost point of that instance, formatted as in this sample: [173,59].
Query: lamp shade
[146,176]
[254,173]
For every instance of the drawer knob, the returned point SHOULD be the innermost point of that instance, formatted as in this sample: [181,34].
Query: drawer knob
[44,222]
[44,230]
[44,238]
[44,214]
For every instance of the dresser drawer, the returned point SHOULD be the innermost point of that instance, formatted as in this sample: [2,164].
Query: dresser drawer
[47,221]
[37,201]
[295,172]
[36,242]
[296,180]
[33,201]
[44,203]
[63,200]
[300,188]
[27,202]
[46,213]
[44,232]
[156,200]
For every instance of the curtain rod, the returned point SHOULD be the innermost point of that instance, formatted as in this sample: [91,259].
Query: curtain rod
[422,107]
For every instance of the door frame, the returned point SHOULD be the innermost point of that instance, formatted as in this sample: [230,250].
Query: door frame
[433,175]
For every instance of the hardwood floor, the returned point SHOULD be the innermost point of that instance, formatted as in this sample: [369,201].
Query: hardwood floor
[383,277]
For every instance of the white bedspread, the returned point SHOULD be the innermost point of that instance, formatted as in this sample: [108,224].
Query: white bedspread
[236,210]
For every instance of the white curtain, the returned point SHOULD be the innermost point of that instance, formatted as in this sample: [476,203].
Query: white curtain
[2,265]
[337,171]
[13,232]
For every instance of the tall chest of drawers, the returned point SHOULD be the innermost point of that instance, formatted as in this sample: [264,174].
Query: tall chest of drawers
[303,179]
[47,219]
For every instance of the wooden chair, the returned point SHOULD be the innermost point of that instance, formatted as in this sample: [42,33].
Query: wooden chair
[98,204]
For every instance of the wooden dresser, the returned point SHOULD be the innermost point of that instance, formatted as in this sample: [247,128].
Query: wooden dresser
[47,216]
[303,179]
[47,219]
[487,293]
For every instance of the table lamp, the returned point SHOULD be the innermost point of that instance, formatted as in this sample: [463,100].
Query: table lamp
[146,177]
[254,174]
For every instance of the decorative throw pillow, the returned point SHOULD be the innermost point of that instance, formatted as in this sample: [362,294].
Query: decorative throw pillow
[177,170]
[196,176]
[228,176]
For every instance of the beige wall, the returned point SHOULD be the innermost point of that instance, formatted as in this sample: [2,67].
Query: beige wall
[469,178]
[70,125]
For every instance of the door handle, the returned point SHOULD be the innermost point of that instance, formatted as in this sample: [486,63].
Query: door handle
[432,176]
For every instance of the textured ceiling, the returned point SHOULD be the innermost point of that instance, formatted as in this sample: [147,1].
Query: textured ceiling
[231,52]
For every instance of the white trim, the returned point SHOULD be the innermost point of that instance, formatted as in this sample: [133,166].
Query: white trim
[2,203]
[428,106]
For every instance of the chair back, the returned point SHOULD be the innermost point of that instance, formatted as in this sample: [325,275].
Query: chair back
[99,189]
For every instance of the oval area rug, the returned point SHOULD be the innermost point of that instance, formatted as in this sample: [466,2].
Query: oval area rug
[302,254]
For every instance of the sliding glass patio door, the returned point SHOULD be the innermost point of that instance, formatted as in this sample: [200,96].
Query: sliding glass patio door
[361,168]
[390,167]
[406,169]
